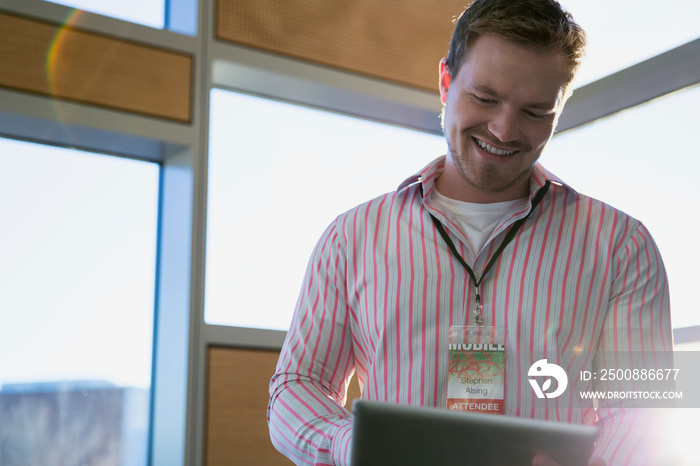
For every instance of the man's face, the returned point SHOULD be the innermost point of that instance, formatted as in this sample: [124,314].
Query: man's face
[500,111]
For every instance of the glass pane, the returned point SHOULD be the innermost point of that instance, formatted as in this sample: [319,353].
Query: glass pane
[146,12]
[77,282]
[642,161]
[624,32]
[278,175]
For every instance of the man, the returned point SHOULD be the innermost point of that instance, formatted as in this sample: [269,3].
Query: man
[484,237]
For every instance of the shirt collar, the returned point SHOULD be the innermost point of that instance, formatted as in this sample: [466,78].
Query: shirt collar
[426,176]
[540,175]
[430,173]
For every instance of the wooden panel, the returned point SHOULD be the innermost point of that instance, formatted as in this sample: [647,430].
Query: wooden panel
[237,396]
[68,63]
[401,40]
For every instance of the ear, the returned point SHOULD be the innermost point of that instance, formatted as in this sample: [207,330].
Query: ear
[445,80]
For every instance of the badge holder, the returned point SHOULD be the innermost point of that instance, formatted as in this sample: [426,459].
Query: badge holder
[477,369]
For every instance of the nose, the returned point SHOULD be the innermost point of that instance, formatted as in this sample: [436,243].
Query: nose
[505,125]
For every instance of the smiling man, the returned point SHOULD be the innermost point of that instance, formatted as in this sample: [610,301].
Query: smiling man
[500,109]
[484,238]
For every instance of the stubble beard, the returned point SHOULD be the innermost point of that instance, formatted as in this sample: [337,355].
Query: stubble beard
[486,177]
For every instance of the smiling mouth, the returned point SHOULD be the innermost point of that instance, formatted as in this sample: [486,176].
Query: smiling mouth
[493,150]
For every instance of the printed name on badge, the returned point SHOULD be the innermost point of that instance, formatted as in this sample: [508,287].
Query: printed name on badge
[476,377]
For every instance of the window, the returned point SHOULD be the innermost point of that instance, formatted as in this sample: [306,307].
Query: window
[278,175]
[641,161]
[146,12]
[625,32]
[77,287]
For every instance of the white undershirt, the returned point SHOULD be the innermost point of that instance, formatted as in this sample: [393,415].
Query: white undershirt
[477,220]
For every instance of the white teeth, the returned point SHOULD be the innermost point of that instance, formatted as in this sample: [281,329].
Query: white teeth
[493,150]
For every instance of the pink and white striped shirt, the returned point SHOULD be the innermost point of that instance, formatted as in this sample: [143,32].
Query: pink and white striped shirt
[382,289]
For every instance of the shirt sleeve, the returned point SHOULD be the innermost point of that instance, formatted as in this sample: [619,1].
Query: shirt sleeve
[307,420]
[637,326]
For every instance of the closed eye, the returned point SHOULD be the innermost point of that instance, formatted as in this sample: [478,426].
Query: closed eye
[483,101]
[537,113]
[534,115]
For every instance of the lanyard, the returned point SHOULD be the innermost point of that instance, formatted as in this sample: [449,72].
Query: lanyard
[509,237]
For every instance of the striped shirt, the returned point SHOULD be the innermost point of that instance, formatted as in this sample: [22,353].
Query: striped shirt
[382,290]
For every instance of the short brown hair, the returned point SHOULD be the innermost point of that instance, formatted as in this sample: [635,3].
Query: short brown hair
[542,24]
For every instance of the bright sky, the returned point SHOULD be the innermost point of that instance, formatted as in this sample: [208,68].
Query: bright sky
[624,32]
[146,12]
[358,160]
[78,265]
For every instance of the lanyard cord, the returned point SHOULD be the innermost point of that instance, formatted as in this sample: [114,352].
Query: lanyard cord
[509,237]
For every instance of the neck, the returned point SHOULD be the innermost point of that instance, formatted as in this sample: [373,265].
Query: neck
[451,185]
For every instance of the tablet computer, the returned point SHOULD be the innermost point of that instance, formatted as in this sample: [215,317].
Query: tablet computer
[390,434]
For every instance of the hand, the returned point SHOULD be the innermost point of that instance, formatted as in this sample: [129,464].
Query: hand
[542,460]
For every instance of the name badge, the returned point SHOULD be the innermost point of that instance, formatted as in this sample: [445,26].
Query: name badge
[477,369]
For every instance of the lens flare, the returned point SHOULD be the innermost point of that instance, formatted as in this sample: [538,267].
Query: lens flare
[678,445]
[53,64]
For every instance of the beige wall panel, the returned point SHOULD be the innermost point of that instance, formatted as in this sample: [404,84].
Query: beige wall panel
[76,65]
[237,396]
[400,41]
